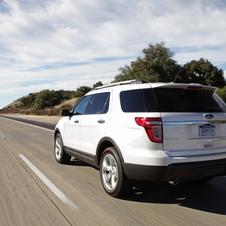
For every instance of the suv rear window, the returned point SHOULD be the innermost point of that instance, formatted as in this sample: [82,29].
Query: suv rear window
[182,100]
[138,100]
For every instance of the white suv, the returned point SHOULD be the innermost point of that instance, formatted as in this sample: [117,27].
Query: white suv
[135,130]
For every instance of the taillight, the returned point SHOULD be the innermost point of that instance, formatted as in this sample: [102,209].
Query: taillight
[152,126]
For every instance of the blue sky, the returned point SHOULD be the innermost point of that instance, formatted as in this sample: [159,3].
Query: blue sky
[64,44]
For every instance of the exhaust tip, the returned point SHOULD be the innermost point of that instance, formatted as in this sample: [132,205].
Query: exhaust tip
[174,182]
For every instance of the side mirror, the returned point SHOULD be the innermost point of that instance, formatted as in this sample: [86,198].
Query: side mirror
[65,112]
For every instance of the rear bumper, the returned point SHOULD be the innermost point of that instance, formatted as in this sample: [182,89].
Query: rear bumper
[182,171]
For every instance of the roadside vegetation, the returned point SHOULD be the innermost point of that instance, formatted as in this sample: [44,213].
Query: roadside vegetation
[156,65]
[47,102]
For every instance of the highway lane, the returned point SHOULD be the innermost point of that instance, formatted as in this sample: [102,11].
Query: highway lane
[26,198]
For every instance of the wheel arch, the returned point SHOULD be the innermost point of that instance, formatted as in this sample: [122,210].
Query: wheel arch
[56,132]
[102,145]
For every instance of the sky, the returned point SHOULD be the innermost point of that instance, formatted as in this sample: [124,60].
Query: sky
[65,44]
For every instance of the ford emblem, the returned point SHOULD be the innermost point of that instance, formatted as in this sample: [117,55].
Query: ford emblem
[208,116]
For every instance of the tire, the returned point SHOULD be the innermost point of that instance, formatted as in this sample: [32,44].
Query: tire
[60,155]
[112,176]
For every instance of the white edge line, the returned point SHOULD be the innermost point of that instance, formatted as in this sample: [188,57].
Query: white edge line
[49,184]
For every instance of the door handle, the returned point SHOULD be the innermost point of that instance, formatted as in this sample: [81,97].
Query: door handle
[76,121]
[101,121]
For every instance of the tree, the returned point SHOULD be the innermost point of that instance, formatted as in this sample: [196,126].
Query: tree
[28,100]
[83,89]
[125,74]
[142,69]
[97,84]
[160,62]
[156,65]
[47,98]
[203,72]
[222,93]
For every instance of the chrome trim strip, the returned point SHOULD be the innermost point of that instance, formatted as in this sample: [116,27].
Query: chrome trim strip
[195,122]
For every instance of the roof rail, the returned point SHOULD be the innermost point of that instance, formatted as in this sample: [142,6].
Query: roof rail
[134,81]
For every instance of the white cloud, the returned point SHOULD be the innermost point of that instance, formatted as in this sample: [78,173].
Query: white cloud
[62,43]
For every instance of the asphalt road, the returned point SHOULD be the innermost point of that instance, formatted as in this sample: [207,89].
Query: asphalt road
[36,190]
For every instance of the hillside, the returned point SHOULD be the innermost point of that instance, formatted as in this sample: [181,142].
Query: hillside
[42,103]
[15,104]
[47,102]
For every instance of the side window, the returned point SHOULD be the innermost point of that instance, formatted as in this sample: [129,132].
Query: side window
[138,100]
[99,104]
[81,107]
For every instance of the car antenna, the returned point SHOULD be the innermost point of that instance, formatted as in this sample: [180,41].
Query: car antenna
[176,76]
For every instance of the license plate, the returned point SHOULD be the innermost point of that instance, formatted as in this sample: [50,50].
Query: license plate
[206,130]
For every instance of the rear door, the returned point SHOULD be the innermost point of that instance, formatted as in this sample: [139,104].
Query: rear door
[194,120]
